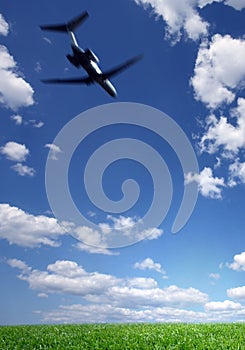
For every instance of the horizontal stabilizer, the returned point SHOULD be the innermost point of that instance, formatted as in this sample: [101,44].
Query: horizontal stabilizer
[67,27]
[114,71]
[85,80]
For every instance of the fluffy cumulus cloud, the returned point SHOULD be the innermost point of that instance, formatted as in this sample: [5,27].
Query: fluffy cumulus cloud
[238,263]
[148,264]
[23,170]
[180,16]
[236,293]
[4,27]
[237,173]
[17,119]
[15,92]
[208,185]
[26,230]
[15,151]
[223,306]
[219,70]
[183,16]
[236,4]
[225,134]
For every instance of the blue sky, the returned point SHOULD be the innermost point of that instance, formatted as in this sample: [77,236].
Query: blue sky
[57,269]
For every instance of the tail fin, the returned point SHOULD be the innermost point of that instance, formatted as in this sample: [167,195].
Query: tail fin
[69,26]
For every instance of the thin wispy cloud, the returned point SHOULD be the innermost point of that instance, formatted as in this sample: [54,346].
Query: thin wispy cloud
[54,150]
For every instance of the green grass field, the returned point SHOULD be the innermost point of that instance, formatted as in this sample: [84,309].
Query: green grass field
[124,336]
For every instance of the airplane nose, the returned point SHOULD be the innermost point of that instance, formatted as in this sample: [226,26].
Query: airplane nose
[114,94]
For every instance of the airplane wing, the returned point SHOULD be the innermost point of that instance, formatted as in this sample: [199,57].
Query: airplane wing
[65,27]
[121,67]
[86,80]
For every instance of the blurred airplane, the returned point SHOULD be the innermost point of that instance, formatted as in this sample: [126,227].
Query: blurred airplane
[87,59]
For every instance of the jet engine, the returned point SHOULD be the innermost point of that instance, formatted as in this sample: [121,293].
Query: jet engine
[73,60]
[89,53]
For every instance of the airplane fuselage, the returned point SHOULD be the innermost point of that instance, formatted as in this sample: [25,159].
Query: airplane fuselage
[88,61]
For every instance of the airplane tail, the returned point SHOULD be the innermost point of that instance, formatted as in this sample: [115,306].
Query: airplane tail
[69,26]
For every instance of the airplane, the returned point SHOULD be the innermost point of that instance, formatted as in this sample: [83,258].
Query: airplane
[86,59]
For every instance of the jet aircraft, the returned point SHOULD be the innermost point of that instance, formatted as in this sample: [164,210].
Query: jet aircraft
[86,59]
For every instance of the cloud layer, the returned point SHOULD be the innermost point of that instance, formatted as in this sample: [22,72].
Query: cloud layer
[107,298]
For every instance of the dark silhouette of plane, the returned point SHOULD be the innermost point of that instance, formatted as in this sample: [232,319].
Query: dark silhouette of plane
[86,59]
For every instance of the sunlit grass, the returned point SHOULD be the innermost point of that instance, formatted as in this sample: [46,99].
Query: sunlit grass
[124,336]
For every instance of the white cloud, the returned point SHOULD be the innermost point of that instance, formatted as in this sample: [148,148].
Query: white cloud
[203,3]
[107,298]
[96,313]
[15,92]
[222,133]
[142,283]
[236,4]
[214,276]
[237,173]
[54,150]
[36,124]
[17,119]
[15,151]
[236,293]
[38,67]
[149,264]
[4,27]
[151,233]
[222,306]
[219,70]
[116,229]
[239,262]
[183,16]
[23,170]
[157,297]
[129,227]
[180,16]
[42,295]
[68,277]
[208,185]
[95,250]
[26,230]
[19,264]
